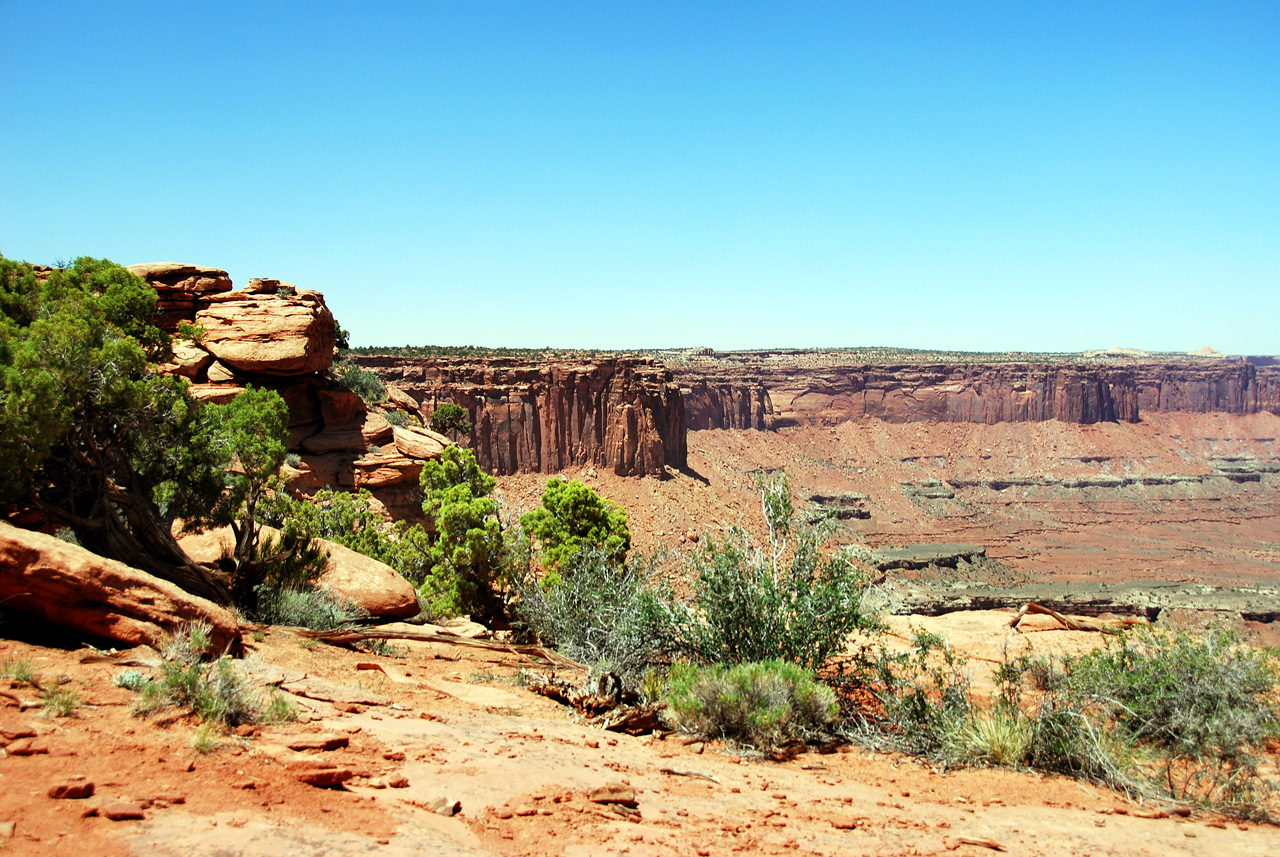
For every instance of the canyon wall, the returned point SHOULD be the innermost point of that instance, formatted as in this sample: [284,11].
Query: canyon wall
[747,391]
[622,413]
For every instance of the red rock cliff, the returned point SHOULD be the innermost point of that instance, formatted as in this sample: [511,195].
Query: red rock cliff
[747,390]
[622,413]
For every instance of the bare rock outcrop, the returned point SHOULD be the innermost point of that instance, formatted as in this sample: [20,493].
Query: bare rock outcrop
[623,413]
[270,334]
[181,288]
[68,586]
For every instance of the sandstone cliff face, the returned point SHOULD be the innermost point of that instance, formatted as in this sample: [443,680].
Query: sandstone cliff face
[624,414]
[745,393]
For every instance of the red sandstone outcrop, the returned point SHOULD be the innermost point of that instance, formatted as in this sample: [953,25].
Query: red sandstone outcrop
[181,288]
[68,586]
[272,334]
[621,413]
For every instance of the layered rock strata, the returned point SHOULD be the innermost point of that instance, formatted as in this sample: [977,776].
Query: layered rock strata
[746,391]
[624,414]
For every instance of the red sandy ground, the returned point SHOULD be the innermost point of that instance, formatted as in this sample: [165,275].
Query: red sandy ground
[522,770]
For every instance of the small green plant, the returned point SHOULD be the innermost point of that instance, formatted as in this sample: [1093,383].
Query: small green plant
[61,703]
[598,612]
[190,332]
[305,607]
[922,695]
[763,705]
[279,709]
[999,736]
[20,670]
[451,420]
[362,382]
[398,419]
[790,600]
[215,692]
[207,738]
[131,680]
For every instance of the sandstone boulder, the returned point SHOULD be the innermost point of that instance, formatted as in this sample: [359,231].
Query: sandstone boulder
[217,394]
[401,399]
[68,586]
[375,586]
[349,439]
[419,442]
[219,374]
[376,429]
[268,333]
[188,359]
[181,289]
[380,469]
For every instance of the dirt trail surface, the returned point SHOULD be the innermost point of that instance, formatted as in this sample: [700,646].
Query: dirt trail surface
[438,725]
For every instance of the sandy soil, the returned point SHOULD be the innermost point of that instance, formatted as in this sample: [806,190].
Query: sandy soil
[454,724]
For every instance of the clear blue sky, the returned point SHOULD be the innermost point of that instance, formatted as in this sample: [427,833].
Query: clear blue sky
[1021,175]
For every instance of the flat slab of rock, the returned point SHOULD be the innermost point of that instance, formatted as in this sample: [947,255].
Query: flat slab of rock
[323,741]
[74,790]
[322,777]
[27,747]
[327,691]
[68,586]
[419,442]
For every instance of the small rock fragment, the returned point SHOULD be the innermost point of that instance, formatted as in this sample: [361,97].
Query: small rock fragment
[323,777]
[123,811]
[323,741]
[617,793]
[398,782]
[27,747]
[844,822]
[444,806]
[71,791]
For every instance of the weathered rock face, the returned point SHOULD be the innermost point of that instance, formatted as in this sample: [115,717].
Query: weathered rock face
[181,288]
[68,586]
[625,414]
[268,333]
[747,391]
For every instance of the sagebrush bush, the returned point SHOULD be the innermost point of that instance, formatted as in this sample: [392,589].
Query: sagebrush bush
[1177,714]
[791,601]
[601,613]
[923,695]
[362,382]
[307,607]
[216,692]
[763,705]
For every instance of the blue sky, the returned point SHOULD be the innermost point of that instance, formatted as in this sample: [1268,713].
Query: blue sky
[977,176]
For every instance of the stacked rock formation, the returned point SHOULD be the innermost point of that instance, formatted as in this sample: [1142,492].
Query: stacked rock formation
[275,335]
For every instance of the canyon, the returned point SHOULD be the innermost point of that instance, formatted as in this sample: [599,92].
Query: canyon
[1103,482]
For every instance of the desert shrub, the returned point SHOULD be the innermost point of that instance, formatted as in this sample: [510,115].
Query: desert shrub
[130,680]
[306,607]
[1177,714]
[21,670]
[998,736]
[397,418]
[216,691]
[466,562]
[921,696]
[601,613]
[573,517]
[451,419]
[791,601]
[763,705]
[362,382]
[61,702]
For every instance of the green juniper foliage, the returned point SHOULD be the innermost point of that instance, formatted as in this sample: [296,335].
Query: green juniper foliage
[467,559]
[573,517]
